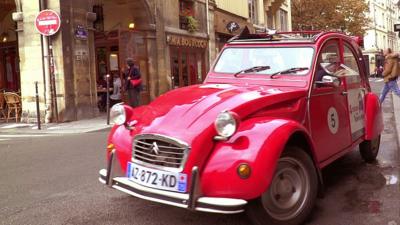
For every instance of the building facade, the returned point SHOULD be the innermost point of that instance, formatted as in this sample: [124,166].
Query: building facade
[383,15]
[232,16]
[173,43]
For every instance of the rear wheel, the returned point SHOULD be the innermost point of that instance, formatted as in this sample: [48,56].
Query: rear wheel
[369,149]
[291,194]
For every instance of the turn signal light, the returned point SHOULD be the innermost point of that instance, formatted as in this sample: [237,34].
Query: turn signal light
[110,147]
[244,171]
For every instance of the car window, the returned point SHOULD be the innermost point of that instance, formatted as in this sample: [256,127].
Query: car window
[350,61]
[233,60]
[328,60]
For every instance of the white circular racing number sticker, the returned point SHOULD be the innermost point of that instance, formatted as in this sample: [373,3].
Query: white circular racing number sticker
[333,120]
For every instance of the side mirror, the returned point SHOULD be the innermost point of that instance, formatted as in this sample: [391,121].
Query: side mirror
[330,81]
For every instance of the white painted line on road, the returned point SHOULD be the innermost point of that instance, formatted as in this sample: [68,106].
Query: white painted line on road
[21,135]
[15,126]
[375,79]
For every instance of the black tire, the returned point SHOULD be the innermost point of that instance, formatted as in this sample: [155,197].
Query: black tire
[295,167]
[369,149]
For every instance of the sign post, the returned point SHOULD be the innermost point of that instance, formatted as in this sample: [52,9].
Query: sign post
[47,23]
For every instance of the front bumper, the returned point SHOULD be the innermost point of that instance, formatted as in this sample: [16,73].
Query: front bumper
[192,200]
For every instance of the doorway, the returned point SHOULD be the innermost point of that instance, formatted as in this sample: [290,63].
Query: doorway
[187,66]
[9,68]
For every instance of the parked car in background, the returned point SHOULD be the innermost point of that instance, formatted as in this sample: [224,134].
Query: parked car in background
[273,111]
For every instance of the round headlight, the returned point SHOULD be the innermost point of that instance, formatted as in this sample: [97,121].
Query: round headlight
[225,124]
[117,114]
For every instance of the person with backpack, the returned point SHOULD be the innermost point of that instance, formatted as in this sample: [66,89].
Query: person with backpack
[391,71]
[133,83]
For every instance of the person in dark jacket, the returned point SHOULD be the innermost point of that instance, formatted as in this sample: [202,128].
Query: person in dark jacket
[132,73]
[391,71]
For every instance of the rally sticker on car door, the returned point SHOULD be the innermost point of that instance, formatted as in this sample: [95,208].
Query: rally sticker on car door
[356,112]
[333,120]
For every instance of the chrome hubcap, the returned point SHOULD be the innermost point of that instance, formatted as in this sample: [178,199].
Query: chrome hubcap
[289,190]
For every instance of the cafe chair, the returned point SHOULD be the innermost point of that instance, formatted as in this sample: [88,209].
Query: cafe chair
[2,106]
[14,106]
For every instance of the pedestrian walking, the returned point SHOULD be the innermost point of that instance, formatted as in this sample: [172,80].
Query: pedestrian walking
[133,83]
[390,73]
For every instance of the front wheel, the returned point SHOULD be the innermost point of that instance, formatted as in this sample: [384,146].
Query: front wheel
[369,149]
[291,195]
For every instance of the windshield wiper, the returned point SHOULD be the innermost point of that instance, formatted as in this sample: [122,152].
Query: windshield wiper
[291,70]
[252,70]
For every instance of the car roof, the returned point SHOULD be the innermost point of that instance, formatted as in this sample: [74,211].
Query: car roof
[296,37]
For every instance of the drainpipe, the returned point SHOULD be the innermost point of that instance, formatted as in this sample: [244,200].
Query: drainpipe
[46,71]
[18,5]
[208,30]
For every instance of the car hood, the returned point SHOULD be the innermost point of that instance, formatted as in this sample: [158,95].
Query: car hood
[187,112]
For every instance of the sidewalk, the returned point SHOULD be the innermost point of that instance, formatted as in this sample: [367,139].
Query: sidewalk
[75,127]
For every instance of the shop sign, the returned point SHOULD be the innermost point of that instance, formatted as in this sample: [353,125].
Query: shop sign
[186,41]
[232,26]
[47,22]
[81,32]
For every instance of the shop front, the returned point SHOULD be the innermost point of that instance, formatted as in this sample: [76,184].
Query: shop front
[118,37]
[187,57]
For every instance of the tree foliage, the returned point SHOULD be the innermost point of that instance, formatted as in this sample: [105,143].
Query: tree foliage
[347,15]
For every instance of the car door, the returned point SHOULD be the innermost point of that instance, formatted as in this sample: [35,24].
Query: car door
[328,110]
[355,91]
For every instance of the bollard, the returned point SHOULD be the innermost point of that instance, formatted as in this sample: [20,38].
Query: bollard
[37,106]
[108,98]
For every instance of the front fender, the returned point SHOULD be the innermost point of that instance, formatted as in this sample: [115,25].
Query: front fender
[258,142]
[373,117]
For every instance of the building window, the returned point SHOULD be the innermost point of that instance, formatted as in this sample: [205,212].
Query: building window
[270,21]
[186,9]
[283,16]
[98,24]
[253,11]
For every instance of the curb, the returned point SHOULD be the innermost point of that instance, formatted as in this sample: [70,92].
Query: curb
[54,129]
[35,132]
[396,112]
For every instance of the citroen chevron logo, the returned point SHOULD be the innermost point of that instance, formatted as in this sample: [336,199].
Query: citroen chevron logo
[154,148]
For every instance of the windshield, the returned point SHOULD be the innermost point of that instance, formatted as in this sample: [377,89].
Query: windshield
[278,59]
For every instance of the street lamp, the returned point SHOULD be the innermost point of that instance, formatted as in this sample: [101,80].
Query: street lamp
[4,37]
[131,26]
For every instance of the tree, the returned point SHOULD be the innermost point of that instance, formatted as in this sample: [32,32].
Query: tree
[346,15]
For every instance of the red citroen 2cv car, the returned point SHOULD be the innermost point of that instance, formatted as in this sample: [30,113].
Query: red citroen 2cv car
[273,111]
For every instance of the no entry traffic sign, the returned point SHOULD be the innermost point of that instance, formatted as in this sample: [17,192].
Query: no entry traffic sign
[47,22]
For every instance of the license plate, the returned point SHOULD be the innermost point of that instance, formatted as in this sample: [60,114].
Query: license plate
[156,178]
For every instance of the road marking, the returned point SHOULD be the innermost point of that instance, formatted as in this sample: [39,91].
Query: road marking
[15,126]
[23,135]
[376,80]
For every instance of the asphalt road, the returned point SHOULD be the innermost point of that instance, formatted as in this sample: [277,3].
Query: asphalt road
[53,180]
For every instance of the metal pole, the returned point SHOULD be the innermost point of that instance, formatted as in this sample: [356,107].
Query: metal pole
[108,98]
[37,106]
[53,80]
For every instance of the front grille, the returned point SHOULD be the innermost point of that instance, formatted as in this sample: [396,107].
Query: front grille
[160,151]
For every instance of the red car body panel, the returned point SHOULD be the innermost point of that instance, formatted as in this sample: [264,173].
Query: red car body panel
[373,117]
[259,142]
[270,112]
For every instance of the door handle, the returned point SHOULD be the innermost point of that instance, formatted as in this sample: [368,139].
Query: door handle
[344,93]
